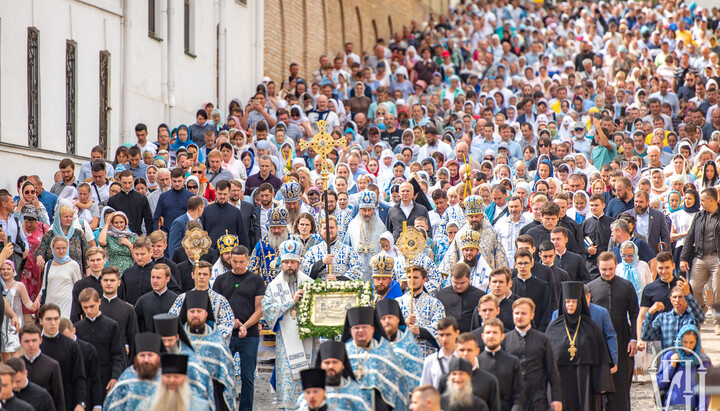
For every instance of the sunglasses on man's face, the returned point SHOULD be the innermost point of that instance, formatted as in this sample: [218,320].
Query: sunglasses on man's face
[543,145]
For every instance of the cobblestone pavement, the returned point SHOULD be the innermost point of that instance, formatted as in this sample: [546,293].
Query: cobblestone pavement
[641,393]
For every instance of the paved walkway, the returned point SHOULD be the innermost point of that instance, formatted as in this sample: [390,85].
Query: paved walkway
[641,393]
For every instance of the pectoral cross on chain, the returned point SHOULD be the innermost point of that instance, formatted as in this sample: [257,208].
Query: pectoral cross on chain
[322,143]
[572,350]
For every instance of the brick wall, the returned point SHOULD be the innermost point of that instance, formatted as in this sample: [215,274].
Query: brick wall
[302,30]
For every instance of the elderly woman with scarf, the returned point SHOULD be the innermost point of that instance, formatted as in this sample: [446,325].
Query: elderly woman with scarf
[216,121]
[117,240]
[63,226]
[385,173]
[672,376]
[681,220]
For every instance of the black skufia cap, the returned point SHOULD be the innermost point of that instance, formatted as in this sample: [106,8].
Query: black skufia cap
[359,316]
[197,299]
[388,306]
[147,342]
[168,325]
[174,363]
[312,378]
[336,350]
[460,364]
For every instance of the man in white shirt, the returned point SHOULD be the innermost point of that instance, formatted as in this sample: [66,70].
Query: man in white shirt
[508,227]
[436,364]
[434,144]
[141,133]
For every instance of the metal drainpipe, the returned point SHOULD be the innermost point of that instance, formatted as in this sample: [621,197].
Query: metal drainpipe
[170,62]
[222,56]
[127,53]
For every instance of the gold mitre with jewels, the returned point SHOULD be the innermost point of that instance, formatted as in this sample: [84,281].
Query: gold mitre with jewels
[382,265]
[470,239]
[227,242]
[473,205]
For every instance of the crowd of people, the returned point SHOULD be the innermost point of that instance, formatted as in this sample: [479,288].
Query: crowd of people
[560,161]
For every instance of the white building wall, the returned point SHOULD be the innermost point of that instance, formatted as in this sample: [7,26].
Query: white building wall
[98,25]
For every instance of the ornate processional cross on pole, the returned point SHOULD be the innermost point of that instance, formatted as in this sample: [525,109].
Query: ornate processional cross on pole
[323,144]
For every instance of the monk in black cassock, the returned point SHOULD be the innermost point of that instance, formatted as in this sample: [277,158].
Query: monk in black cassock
[618,296]
[582,355]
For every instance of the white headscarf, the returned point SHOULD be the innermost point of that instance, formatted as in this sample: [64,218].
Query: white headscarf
[394,252]
[385,174]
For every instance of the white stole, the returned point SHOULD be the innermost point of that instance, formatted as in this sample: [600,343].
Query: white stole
[480,274]
[299,352]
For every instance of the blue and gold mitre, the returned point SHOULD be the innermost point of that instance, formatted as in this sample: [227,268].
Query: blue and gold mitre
[278,217]
[367,199]
[474,205]
[227,242]
[291,250]
[470,239]
[291,191]
[382,265]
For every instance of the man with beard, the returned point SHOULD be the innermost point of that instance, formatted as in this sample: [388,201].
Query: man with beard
[292,192]
[363,232]
[210,346]
[225,245]
[221,217]
[459,395]
[426,312]
[280,312]
[173,392]
[176,341]
[223,318]
[171,204]
[344,260]
[264,257]
[342,389]
[137,381]
[484,385]
[470,250]
[490,246]
[339,206]
[581,353]
[373,361]
[505,367]
[163,179]
[537,358]
[382,275]
[460,298]
[404,345]
[244,290]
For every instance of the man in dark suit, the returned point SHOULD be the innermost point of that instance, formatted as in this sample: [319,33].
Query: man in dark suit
[195,208]
[407,210]
[650,222]
[571,262]
[250,216]
[596,228]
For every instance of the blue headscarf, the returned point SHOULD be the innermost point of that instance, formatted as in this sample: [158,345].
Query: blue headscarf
[679,204]
[200,159]
[57,228]
[549,164]
[629,270]
[64,259]
[181,144]
[684,355]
